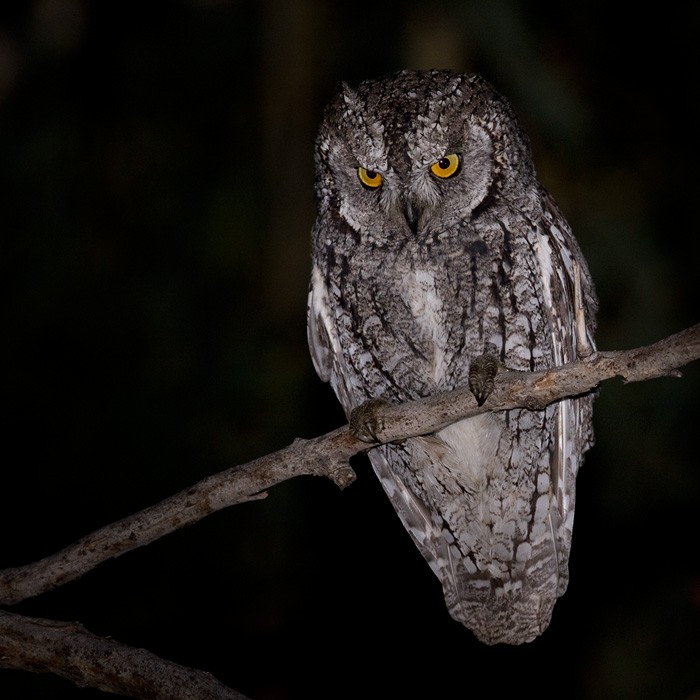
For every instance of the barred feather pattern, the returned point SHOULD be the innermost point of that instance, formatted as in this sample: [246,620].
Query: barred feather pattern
[415,278]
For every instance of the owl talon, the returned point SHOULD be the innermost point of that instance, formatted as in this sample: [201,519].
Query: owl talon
[482,373]
[366,421]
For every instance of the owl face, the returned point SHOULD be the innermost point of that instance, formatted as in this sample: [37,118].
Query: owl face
[433,157]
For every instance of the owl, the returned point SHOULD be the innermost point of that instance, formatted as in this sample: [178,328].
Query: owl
[435,244]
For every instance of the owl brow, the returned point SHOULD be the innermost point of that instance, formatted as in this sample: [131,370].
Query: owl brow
[436,149]
[436,133]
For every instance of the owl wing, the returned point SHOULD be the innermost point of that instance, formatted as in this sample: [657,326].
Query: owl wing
[413,513]
[324,343]
[426,526]
[557,250]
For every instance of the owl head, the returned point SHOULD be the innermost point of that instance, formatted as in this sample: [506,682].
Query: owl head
[408,153]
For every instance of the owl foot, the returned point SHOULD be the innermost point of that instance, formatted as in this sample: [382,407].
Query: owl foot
[482,372]
[366,421]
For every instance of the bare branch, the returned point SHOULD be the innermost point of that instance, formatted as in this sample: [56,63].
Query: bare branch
[535,390]
[328,455]
[69,650]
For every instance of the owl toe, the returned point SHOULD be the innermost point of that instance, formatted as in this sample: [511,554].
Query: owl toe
[366,422]
[482,373]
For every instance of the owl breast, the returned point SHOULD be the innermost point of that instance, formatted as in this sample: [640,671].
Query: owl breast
[412,319]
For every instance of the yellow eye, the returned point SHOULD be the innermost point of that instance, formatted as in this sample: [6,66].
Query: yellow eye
[369,178]
[447,166]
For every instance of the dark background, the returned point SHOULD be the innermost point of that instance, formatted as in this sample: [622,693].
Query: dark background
[156,201]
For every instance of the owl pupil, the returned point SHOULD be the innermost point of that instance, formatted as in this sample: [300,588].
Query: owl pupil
[444,163]
[371,174]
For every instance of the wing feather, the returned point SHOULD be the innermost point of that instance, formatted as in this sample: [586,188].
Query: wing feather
[557,249]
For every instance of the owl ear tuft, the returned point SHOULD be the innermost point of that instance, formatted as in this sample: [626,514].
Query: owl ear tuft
[349,97]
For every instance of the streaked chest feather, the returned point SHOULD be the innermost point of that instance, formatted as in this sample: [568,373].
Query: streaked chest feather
[429,314]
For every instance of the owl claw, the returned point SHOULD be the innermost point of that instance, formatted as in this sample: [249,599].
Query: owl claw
[482,372]
[366,422]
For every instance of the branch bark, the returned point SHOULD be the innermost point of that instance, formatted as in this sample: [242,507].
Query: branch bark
[69,650]
[328,456]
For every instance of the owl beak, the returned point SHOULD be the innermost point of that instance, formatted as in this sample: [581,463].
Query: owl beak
[412,214]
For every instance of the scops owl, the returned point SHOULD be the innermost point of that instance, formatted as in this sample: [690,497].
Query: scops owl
[434,244]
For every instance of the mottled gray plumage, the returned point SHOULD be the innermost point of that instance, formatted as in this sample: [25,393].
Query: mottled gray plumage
[418,270]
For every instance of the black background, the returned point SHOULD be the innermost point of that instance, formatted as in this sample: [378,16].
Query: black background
[156,176]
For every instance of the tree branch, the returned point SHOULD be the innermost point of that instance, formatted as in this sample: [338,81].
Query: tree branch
[328,455]
[69,650]
[535,390]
